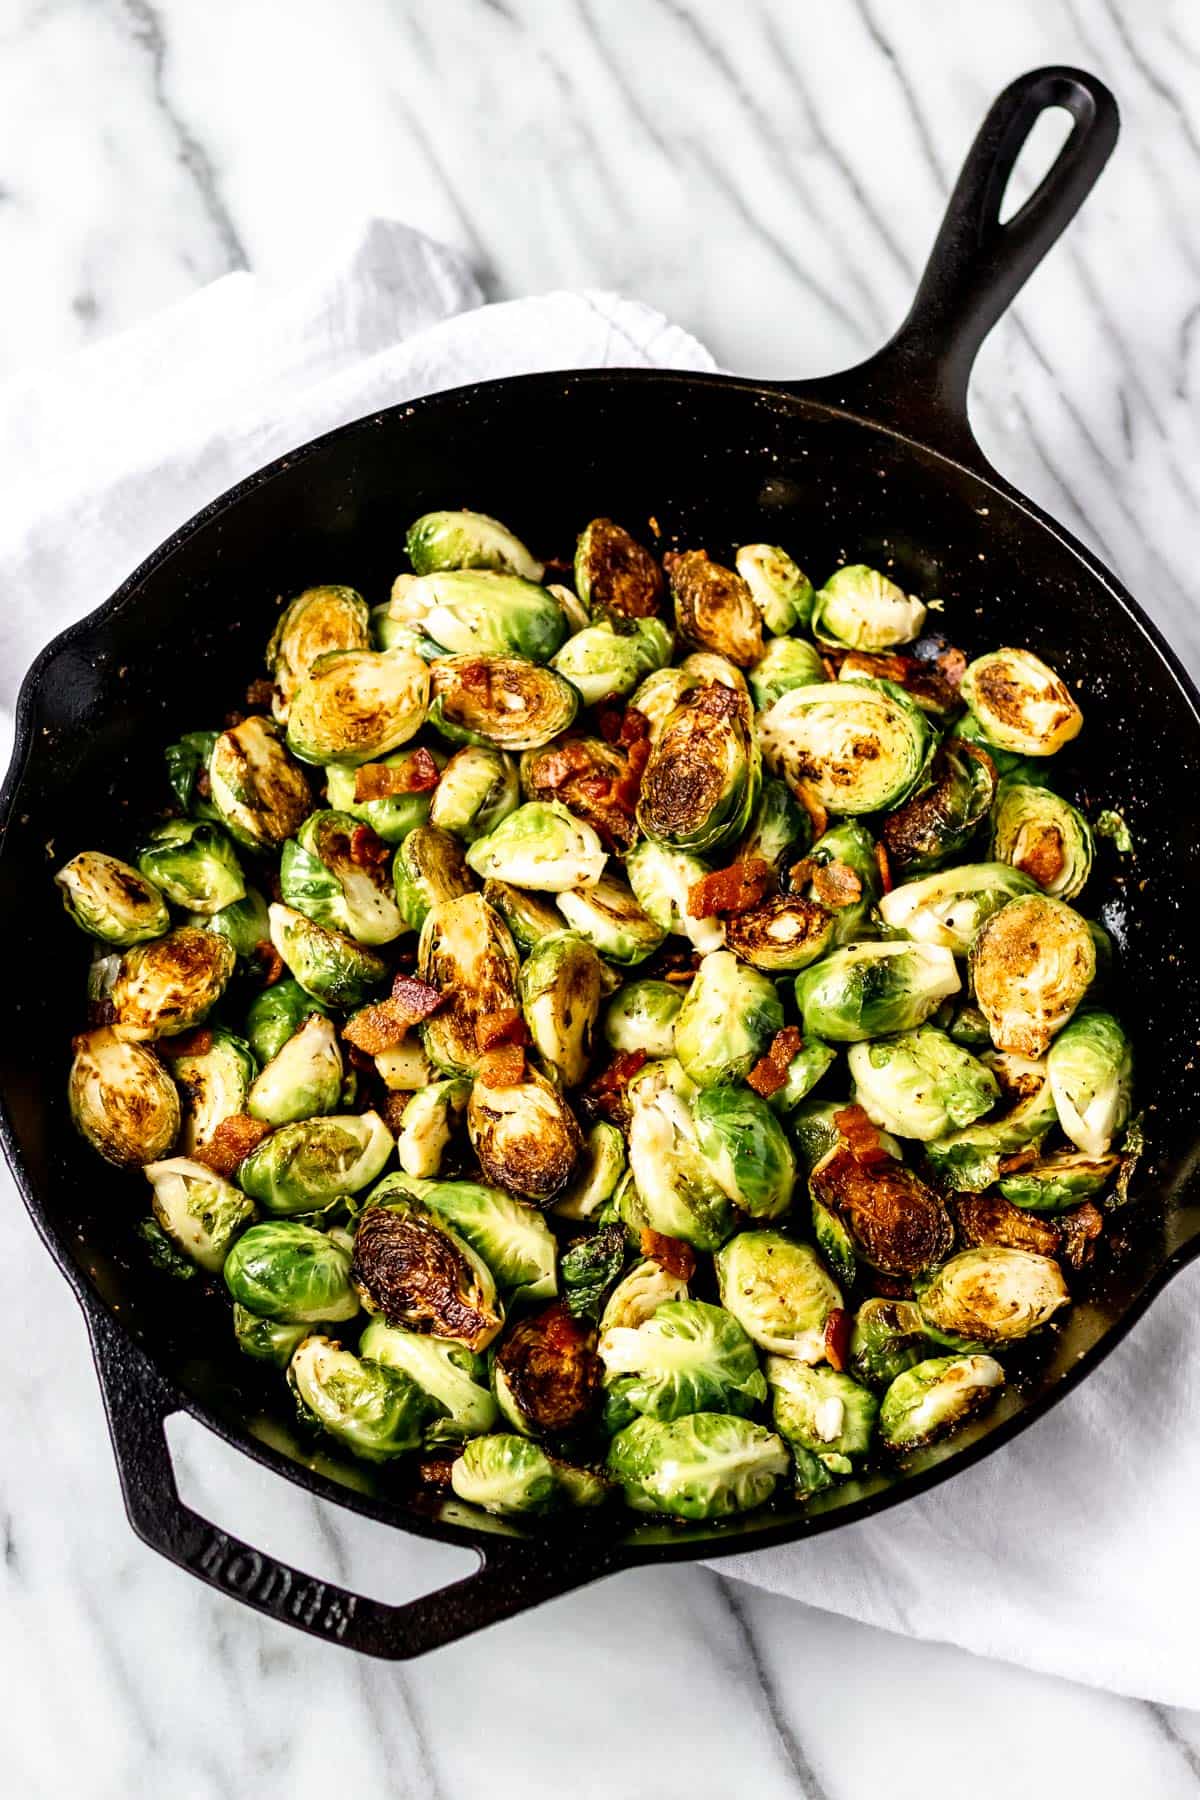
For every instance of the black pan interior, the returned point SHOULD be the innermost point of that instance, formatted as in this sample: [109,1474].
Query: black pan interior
[716,463]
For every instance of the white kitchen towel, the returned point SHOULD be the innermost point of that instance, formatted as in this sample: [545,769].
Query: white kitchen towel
[1069,1551]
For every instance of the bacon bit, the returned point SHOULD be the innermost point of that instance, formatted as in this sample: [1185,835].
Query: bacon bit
[435,1471]
[718,700]
[770,1071]
[952,665]
[270,962]
[609,720]
[260,694]
[837,1339]
[377,1028]
[391,1108]
[626,788]
[415,775]
[499,1028]
[671,1254]
[188,1043]
[503,1067]
[1045,858]
[1081,1230]
[475,677]
[605,1097]
[635,727]
[231,1143]
[359,1060]
[835,885]
[733,890]
[884,863]
[861,1137]
[415,1000]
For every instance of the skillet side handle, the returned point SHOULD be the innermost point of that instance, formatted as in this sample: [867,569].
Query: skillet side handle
[978,265]
[511,1577]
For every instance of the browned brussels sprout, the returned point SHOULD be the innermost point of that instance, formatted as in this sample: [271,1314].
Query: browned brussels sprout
[1031,965]
[714,608]
[525,1135]
[258,792]
[411,1267]
[783,932]
[701,785]
[499,700]
[898,1223]
[466,952]
[317,621]
[613,573]
[122,1100]
[171,983]
[943,815]
[547,1374]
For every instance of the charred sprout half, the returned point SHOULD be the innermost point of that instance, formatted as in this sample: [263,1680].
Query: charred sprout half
[111,901]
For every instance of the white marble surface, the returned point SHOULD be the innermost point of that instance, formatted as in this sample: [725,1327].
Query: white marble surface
[771,176]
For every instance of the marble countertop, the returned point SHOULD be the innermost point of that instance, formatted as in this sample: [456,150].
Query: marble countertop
[771,177]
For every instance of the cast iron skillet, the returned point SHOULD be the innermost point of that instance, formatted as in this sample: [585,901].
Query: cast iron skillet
[877,465]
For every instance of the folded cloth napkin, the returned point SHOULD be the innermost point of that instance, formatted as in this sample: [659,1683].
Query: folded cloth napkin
[1068,1551]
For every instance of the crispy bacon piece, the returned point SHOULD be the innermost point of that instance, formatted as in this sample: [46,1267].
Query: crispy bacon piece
[733,890]
[188,1043]
[260,694]
[203,784]
[609,720]
[269,961]
[416,1000]
[835,885]
[415,775]
[1044,859]
[626,788]
[884,864]
[377,1028]
[671,1254]
[503,1067]
[952,665]
[476,678]
[1080,1231]
[991,1219]
[635,727]
[231,1143]
[367,848]
[770,1071]
[862,1138]
[496,1029]
[605,1097]
[837,1339]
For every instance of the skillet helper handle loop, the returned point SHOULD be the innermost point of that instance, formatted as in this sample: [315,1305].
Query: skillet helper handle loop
[511,1577]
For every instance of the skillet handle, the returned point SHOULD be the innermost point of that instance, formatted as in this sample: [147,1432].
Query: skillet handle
[978,265]
[511,1577]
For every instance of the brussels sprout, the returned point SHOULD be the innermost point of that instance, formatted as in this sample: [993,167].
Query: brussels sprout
[836,1243]
[714,608]
[1058,1181]
[170,984]
[429,867]
[688,1357]
[780,589]
[525,1136]
[467,953]
[782,933]
[245,923]
[404,1068]
[275,1015]
[546,1374]
[213,1079]
[701,784]
[705,1466]
[453,1377]
[948,908]
[187,760]
[514,1241]
[540,846]
[921,1084]
[1031,965]
[778,1292]
[586,775]
[326,875]
[968,1026]
[394,815]
[527,916]
[613,573]
[641,1016]
[969,732]
[301,1167]
[266,1340]
[969,1160]
[780,829]
[727,1020]
[870,990]
[711,670]
[934,1397]
[612,656]
[111,901]
[426,1125]
[1043,835]
[259,794]
[610,919]
[328,965]
[573,610]
[505,1473]
[589,1269]
[499,700]
[122,1099]
[944,812]
[470,612]
[785,664]
[467,540]
[744,1145]
[824,876]
[676,1193]
[561,988]
[818,1410]
[200,1211]
[354,706]
[661,880]
[888,1338]
[411,1267]
[376,1411]
[804,1071]
[317,621]
[287,1272]
[1090,1065]
[659,695]
[478,789]
[863,610]
[303,1078]
[1021,704]
[856,746]
[991,1295]
[899,1225]
[597,1173]
[639,1294]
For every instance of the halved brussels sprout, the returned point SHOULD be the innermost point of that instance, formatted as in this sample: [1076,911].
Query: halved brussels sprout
[499,700]
[778,1292]
[527,915]
[836,1243]
[786,663]
[453,1377]
[711,670]
[661,880]
[744,1145]
[288,1272]
[641,1016]
[705,1466]
[899,1224]
[660,693]
[483,612]
[411,1267]
[804,1071]
[336,873]
[782,933]
[948,908]
[590,1266]
[597,1174]
[478,788]
[328,965]
[887,1339]
[245,923]
[714,607]
[991,1295]
[1090,1065]
[779,588]
[276,1014]
[540,846]
[394,815]
[122,1099]
[354,706]
[688,1357]
[507,1474]
[260,796]
[317,621]
[639,1294]
[546,1374]
[863,610]
[968,1026]
[1021,704]
[427,1123]
[213,1079]
[856,746]
[613,573]
[610,919]
[612,656]
[934,1397]
[111,901]
[525,1136]
[376,1411]
[701,784]
[727,1020]
[266,1340]
[303,1078]
[970,1159]
[467,540]
[514,1241]
[200,1212]
[187,760]
[943,814]
[1058,1181]
[429,867]
[1031,965]
[921,1084]
[466,952]
[818,1410]
[674,1191]
[562,984]
[302,1167]
[1043,835]
[844,851]
[870,990]
[171,983]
